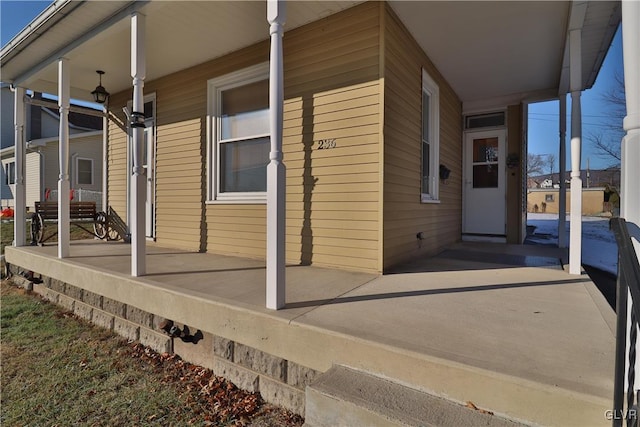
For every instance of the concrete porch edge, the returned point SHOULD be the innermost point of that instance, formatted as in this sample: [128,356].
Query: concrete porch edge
[319,348]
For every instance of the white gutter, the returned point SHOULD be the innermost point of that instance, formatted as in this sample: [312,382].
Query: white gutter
[44,141]
[35,28]
[79,40]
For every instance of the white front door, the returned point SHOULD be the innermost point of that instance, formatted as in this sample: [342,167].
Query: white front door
[484,184]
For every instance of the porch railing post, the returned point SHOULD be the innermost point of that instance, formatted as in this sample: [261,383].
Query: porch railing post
[628,312]
[276,172]
[621,346]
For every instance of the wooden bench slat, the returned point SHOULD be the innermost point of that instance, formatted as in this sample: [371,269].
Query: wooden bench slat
[78,211]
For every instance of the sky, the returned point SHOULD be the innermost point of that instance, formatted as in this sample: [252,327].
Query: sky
[15,15]
[543,134]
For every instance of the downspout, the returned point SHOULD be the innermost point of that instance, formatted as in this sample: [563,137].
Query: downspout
[562,198]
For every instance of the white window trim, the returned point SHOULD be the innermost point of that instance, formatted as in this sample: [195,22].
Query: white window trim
[10,177]
[214,87]
[431,88]
[77,180]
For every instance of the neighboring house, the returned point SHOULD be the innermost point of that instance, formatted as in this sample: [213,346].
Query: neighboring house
[42,164]
[547,200]
[543,191]
[590,178]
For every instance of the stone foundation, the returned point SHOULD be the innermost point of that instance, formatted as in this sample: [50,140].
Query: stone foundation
[279,381]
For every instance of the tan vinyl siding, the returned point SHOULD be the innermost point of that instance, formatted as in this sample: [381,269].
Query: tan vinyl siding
[117,156]
[331,92]
[32,180]
[404,215]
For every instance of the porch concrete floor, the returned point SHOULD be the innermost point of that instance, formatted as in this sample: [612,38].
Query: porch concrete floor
[475,305]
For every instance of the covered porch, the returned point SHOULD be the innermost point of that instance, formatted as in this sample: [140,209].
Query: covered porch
[502,326]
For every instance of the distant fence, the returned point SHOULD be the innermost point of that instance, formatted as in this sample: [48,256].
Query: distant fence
[79,195]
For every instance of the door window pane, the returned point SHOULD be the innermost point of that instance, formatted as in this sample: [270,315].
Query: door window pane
[485,150]
[485,176]
[485,163]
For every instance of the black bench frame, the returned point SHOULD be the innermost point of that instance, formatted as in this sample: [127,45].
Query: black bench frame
[81,214]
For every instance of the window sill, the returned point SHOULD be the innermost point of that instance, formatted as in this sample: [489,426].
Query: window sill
[425,198]
[237,202]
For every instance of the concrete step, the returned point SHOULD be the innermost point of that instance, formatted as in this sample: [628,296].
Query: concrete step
[346,397]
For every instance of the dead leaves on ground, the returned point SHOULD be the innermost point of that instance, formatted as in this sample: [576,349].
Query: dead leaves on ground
[212,398]
[471,405]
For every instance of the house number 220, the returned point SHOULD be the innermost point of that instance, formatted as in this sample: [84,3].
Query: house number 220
[325,144]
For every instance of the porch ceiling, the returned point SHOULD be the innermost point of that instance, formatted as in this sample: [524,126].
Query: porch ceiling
[488,51]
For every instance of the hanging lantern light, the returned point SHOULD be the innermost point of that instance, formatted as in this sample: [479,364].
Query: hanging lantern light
[100,95]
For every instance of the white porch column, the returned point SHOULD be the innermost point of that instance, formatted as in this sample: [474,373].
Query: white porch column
[276,173]
[575,72]
[20,195]
[64,187]
[138,182]
[105,158]
[630,167]
[630,148]
[562,199]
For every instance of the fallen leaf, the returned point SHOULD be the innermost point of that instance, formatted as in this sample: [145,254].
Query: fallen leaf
[471,405]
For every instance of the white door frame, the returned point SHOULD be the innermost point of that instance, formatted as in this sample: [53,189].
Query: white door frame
[470,231]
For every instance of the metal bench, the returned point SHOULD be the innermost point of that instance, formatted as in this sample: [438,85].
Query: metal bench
[81,214]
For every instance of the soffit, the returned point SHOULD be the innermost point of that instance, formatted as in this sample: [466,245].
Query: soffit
[490,49]
[179,34]
[486,50]
[512,50]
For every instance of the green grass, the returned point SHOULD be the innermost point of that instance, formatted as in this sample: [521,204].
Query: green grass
[6,233]
[58,370]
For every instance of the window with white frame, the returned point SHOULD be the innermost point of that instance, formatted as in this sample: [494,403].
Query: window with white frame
[10,173]
[84,171]
[430,139]
[239,143]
